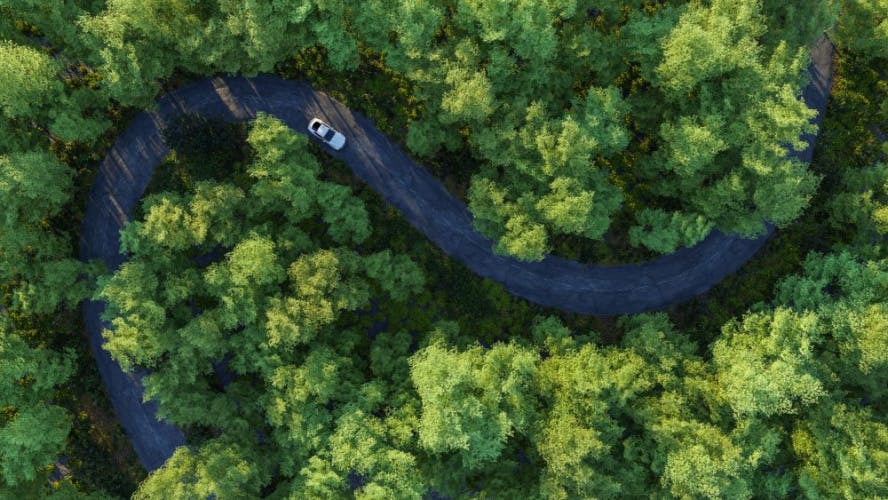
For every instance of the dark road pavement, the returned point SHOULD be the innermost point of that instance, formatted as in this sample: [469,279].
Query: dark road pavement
[421,198]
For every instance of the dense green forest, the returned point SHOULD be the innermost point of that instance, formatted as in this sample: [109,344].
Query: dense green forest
[312,344]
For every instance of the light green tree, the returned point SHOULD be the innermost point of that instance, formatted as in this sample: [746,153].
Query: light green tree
[767,364]
[473,401]
[34,94]
[584,390]
[218,469]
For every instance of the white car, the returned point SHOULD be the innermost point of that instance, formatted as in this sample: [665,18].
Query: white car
[326,133]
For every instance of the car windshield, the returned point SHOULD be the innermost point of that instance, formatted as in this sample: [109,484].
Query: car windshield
[329,135]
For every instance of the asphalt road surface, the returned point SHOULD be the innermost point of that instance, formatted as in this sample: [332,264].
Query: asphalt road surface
[421,198]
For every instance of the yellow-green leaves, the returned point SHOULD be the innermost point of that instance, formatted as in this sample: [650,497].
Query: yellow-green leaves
[767,365]
[28,81]
[550,183]
[470,97]
[710,40]
[32,90]
[217,469]
[473,400]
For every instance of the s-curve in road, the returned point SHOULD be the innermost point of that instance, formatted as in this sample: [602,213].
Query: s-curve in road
[424,202]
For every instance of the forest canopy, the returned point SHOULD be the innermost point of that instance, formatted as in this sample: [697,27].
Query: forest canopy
[311,344]
[561,105]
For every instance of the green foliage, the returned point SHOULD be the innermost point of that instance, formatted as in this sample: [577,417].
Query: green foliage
[850,298]
[863,205]
[473,400]
[560,109]
[29,82]
[664,232]
[360,445]
[138,43]
[841,452]
[709,41]
[577,436]
[552,77]
[730,71]
[863,28]
[469,98]
[737,107]
[706,463]
[34,257]
[24,19]
[574,121]
[32,430]
[217,469]
[34,94]
[767,365]
[267,300]
[552,184]
[397,275]
[797,21]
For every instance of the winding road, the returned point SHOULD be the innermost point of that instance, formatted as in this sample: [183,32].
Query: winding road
[421,198]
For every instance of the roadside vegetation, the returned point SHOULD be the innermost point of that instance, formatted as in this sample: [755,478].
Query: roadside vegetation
[312,344]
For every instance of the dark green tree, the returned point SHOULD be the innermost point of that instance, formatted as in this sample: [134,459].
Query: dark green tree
[863,27]
[33,431]
[35,257]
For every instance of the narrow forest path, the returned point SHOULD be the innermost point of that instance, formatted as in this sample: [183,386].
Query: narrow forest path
[421,198]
